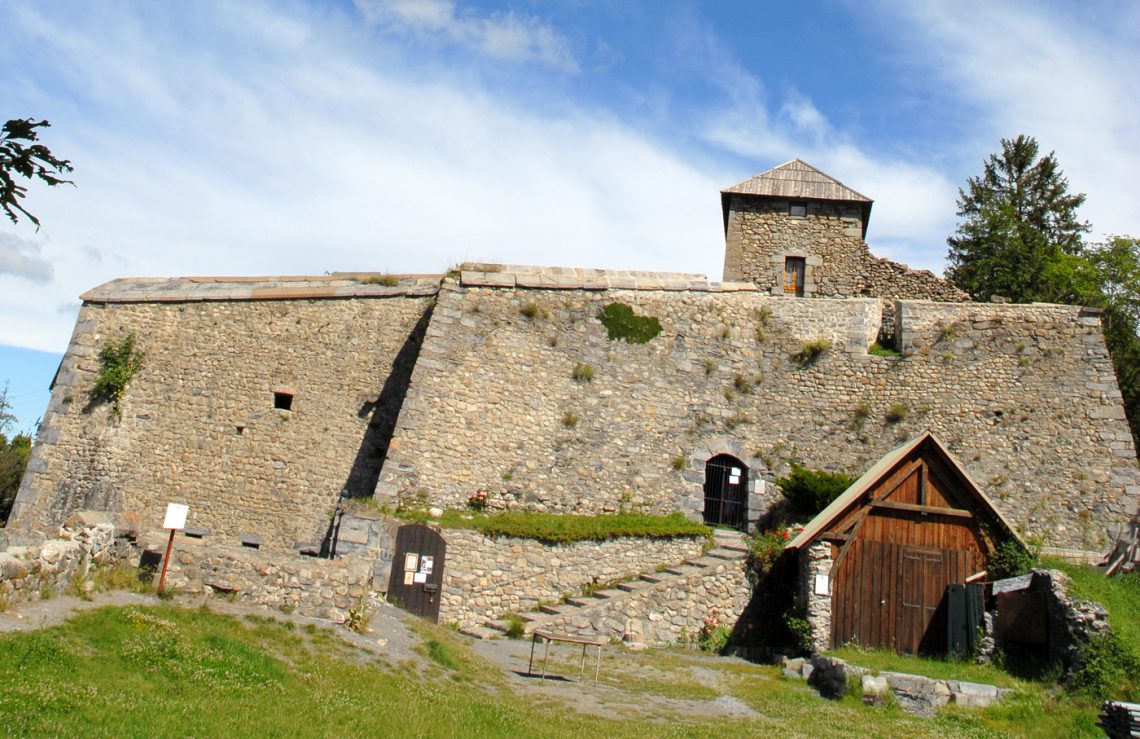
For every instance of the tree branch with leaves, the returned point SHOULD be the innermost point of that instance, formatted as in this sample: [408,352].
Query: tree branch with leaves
[21,156]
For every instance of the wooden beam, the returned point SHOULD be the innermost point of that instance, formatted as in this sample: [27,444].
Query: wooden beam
[834,535]
[937,510]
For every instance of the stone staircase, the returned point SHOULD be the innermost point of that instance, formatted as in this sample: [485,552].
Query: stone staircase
[620,610]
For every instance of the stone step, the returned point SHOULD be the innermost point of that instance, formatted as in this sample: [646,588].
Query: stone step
[724,554]
[630,587]
[480,632]
[609,593]
[554,610]
[580,601]
[698,562]
[654,578]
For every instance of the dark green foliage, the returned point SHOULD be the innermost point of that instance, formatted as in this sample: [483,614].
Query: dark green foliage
[32,162]
[120,361]
[810,491]
[1010,559]
[621,323]
[1106,668]
[1017,224]
[14,456]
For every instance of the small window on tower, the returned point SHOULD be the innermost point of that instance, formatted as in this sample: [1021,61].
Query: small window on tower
[282,401]
[798,210]
[794,276]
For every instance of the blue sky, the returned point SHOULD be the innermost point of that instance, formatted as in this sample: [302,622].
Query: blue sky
[299,137]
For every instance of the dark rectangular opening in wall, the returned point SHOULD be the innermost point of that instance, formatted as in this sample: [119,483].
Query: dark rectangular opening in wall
[251,541]
[797,210]
[794,271]
[282,401]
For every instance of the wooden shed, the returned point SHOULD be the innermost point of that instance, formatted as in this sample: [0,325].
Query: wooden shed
[914,524]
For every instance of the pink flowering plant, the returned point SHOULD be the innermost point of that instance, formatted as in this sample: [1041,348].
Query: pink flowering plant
[478,500]
[714,632]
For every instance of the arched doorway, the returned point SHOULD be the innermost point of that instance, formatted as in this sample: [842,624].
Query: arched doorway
[726,492]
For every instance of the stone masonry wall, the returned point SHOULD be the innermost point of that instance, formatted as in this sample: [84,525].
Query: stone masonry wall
[761,234]
[198,421]
[323,588]
[1024,396]
[667,613]
[815,561]
[34,567]
[485,578]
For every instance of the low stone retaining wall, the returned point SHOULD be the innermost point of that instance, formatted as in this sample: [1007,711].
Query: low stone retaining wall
[486,577]
[667,612]
[314,587]
[914,693]
[33,567]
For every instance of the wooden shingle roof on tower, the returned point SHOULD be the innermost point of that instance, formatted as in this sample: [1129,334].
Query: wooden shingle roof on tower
[796,180]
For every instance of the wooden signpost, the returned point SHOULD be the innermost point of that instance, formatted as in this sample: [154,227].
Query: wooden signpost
[175,521]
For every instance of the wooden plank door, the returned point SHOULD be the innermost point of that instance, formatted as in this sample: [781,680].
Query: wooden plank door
[416,581]
[926,574]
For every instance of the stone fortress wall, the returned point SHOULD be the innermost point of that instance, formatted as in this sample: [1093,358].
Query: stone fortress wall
[1023,395]
[760,234]
[198,422]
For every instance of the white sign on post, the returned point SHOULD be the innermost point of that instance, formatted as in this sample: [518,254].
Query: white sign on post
[175,516]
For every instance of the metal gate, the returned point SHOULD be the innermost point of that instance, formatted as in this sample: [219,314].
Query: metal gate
[726,492]
[417,570]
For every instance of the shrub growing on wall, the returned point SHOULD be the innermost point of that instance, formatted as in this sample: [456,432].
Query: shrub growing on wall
[119,362]
[621,323]
[810,491]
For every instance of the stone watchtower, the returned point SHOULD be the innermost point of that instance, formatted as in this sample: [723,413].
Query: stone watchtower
[796,231]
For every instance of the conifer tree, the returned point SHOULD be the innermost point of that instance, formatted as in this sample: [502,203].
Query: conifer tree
[1018,233]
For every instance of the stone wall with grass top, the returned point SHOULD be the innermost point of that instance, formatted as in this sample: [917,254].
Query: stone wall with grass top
[486,577]
[199,421]
[1023,396]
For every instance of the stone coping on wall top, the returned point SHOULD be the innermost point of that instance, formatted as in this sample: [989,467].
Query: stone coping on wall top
[297,287]
[580,278]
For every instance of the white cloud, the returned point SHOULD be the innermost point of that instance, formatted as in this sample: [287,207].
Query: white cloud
[21,258]
[506,36]
[310,156]
[1063,74]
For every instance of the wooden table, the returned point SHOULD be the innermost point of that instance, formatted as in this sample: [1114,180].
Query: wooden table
[585,641]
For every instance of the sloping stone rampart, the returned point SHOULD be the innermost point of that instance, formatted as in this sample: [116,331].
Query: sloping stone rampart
[199,424]
[1024,396]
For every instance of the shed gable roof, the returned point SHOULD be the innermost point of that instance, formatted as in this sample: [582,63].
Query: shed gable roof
[855,494]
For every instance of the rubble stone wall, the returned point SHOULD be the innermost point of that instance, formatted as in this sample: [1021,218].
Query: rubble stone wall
[33,567]
[761,235]
[485,577]
[199,424]
[1024,396]
[324,588]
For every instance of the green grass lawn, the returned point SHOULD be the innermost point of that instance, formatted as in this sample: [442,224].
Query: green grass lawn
[170,671]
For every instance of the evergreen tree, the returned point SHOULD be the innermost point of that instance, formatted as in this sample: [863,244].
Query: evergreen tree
[1018,233]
